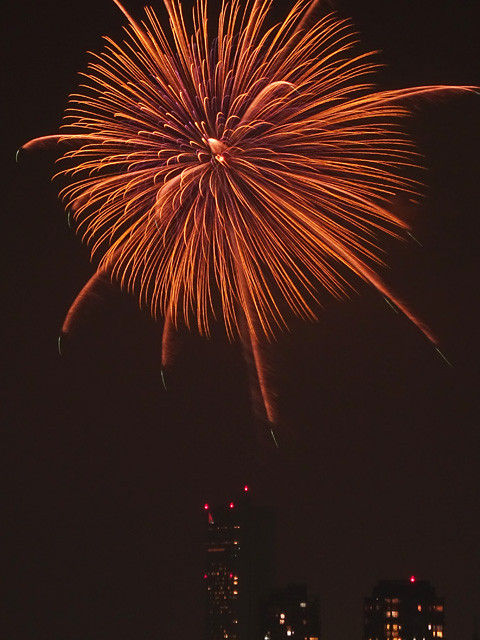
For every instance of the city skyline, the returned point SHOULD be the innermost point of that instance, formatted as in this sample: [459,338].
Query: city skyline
[377,475]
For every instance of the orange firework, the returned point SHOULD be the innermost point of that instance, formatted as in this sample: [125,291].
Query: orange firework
[234,176]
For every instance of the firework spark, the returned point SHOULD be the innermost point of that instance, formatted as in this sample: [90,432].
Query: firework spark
[233,177]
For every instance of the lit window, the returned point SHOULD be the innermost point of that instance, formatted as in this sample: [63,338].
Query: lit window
[439,634]
[303,604]
[419,607]
[429,627]
[388,614]
[282,616]
[394,614]
[281,621]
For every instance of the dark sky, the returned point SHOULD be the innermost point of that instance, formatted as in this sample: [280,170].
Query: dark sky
[107,474]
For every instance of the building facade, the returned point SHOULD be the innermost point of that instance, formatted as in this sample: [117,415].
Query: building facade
[404,610]
[290,613]
[239,567]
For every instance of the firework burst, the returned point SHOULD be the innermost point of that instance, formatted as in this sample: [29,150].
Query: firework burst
[233,177]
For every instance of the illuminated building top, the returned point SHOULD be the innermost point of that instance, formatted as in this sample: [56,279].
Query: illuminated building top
[404,610]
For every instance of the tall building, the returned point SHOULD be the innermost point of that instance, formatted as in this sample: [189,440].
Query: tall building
[239,567]
[290,613]
[404,610]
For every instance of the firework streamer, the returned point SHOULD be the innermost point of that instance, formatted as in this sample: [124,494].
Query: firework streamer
[233,176]
[90,293]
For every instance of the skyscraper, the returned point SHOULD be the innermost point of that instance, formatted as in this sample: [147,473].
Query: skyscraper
[404,610]
[239,566]
[290,613]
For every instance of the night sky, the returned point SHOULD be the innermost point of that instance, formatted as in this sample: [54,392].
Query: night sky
[379,470]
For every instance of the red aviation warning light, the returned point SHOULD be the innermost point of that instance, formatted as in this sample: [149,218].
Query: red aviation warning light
[412,579]
[245,488]
[231,505]
[206,507]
